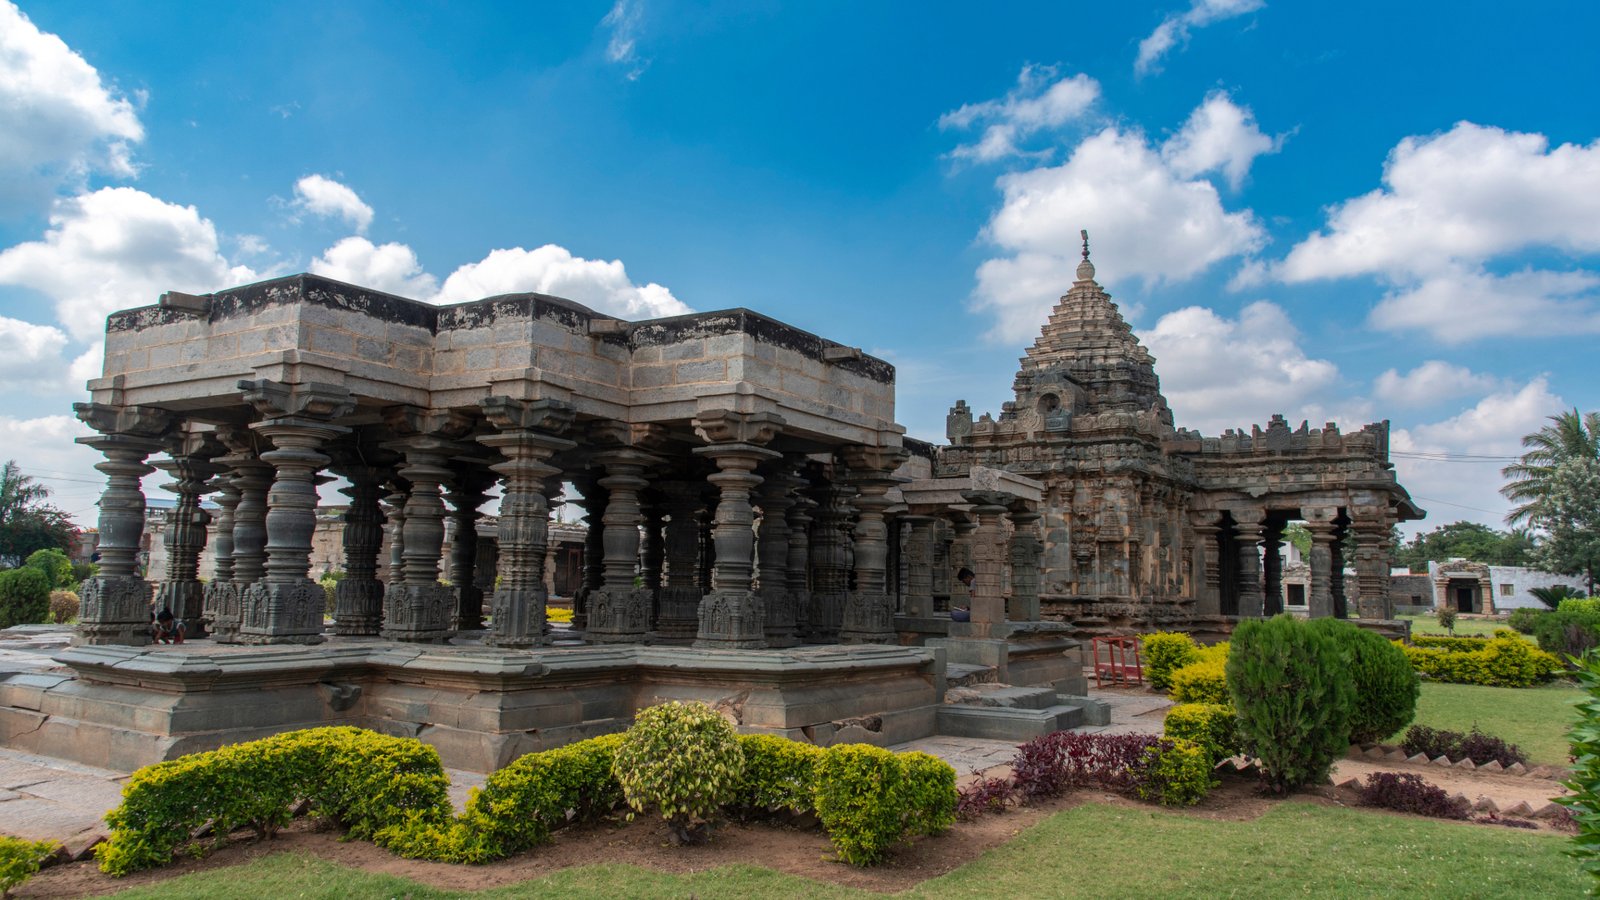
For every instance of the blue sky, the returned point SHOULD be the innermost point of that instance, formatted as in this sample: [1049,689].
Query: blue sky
[1348,211]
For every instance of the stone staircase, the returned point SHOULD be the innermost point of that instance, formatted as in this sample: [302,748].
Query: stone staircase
[980,709]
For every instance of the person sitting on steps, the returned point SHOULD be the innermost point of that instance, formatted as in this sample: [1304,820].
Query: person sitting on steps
[964,613]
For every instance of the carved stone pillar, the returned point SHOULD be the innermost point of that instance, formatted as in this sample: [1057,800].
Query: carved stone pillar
[772,556]
[987,543]
[919,565]
[1372,569]
[116,602]
[679,618]
[286,606]
[358,599]
[619,613]
[466,495]
[252,478]
[417,608]
[1247,532]
[221,582]
[1208,580]
[830,572]
[181,591]
[799,557]
[528,438]
[731,615]
[394,510]
[1026,549]
[1272,569]
[1341,606]
[594,550]
[652,554]
[1320,523]
[869,610]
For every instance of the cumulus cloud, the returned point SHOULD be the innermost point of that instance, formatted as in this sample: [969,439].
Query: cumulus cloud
[603,286]
[62,122]
[117,248]
[392,268]
[1434,381]
[1039,101]
[1453,204]
[321,196]
[1146,221]
[30,356]
[1174,29]
[44,448]
[1275,376]
[1220,136]
[622,48]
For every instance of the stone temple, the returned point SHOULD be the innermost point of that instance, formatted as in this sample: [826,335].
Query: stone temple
[760,533]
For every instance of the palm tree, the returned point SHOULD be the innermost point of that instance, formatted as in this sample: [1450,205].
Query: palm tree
[1571,436]
[1553,595]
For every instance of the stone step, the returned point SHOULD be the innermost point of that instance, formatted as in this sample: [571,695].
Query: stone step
[1005,723]
[966,675]
[1095,712]
[1012,697]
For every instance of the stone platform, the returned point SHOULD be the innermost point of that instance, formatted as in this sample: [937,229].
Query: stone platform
[125,707]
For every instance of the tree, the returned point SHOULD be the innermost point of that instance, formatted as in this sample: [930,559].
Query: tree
[27,522]
[1467,540]
[1570,436]
[1553,595]
[1568,512]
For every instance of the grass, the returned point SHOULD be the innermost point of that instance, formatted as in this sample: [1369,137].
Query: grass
[1464,627]
[1093,850]
[1536,718]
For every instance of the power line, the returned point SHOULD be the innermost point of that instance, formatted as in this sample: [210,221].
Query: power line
[1492,512]
[1442,456]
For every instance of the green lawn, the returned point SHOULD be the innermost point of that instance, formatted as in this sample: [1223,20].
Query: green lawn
[1094,850]
[1464,627]
[1536,718]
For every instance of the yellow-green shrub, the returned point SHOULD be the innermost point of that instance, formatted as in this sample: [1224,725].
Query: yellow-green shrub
[19,859]
[778,773]
[1176,772]
[1162,652]
[1201,682]
[1217,652]
[361,779]
[1211,725]
[869,799]
[681,760]
[1502,662]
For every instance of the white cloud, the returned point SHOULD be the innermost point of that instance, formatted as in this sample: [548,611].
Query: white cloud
[44,448]
[392,268]
[321,196]
[1174,29]
[1432,382]
[61,121]
[603,286]
[30,356]
[1275,376]
[1463,487]
[622,48]
[1460,306]
[1035,104]
[117,248]
[1145,221]
[1220,136]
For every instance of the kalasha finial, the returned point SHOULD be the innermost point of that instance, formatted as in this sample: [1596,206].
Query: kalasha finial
[1085,233]
[1085,268]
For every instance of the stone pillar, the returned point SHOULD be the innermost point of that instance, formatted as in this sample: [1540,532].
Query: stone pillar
[943,573]
[181,590]
[619,613]
[1026,550]
[253,478]
[1341,604]
[528,437]
[919,565]
[1272,569]
[1319,522]
[987,543]
[964,525]
[1208,580]
[731,615]
[417,607]
[679,618]
[358,598]
[1372,569]
[830,574]
[394,510]
[286,606]
[221,582]
[799,557]
[652,554]
[466,495]
[594,551]
[1247,531]
[772,556]
[869,610]
[116,602]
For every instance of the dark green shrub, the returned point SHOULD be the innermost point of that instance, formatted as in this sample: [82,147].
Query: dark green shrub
[55,565]
[1584,801]
[24,596]
[683,761]
[1386,686]
[778,773]
[19,859]
[1176,772]
[1523,619]
[1567,632]
[1163,652]
[1292,691]
[1579,604]
[1205,681]
[1211,725]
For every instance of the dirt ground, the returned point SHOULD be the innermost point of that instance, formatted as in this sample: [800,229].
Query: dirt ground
[794,850]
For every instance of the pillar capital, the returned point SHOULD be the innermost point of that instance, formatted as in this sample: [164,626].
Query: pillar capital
[726,426]
[312,400]
[552,417]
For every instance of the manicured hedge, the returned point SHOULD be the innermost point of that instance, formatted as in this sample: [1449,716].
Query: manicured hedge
[1163,652]
[1205,681]
[1505,660]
